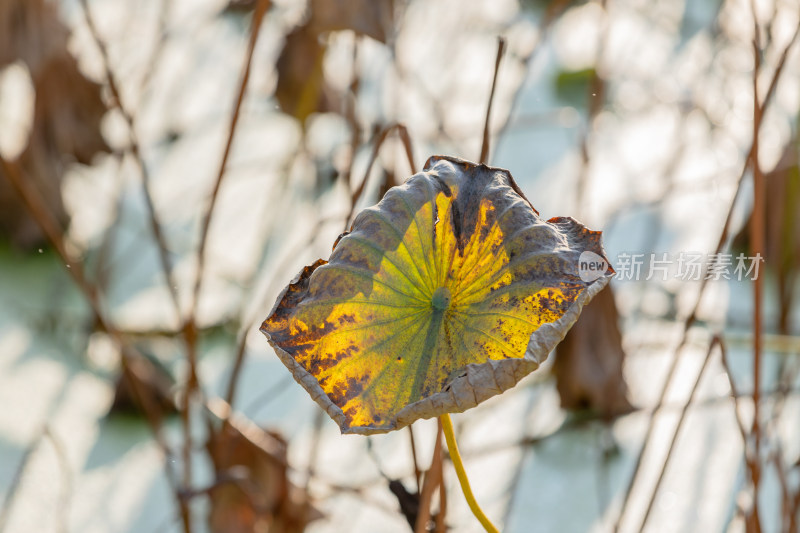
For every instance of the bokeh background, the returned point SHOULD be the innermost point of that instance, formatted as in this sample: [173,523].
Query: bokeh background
[169,165]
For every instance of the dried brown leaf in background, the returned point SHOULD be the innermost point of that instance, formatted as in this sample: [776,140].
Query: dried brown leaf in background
[588,364]
[301,88]
[67,112]
[252,492]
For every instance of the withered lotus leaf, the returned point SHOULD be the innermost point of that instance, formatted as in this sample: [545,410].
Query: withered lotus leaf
[447,292]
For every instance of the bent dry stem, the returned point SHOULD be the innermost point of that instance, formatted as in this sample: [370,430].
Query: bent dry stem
[452,448]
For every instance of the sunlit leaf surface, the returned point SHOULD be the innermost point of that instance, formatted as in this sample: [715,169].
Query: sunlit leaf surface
[447,292]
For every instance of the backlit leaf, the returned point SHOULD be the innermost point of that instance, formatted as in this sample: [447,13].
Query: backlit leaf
[446,293]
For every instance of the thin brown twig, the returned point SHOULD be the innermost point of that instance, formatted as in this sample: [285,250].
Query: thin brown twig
[692,317]
[787,375]
[735,394]
[241,347]
[501,48]
[786,499]
[417,476]
[441,516]
[757,235]
[752,519]
[676,433]
[433,479]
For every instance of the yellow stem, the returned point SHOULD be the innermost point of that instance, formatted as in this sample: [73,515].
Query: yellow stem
[452,448]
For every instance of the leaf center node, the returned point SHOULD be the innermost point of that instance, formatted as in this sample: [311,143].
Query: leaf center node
[441,298]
